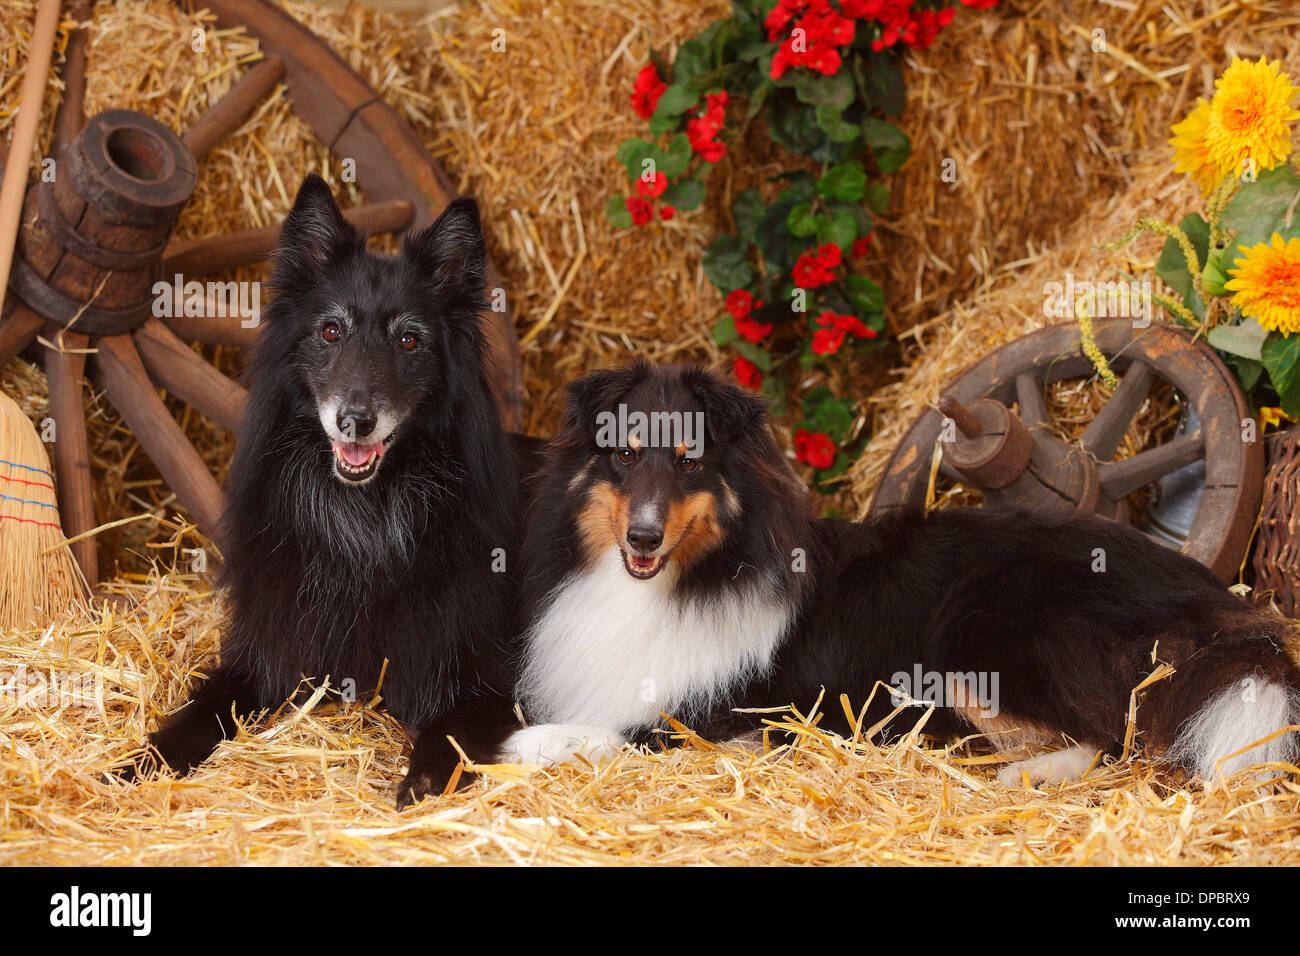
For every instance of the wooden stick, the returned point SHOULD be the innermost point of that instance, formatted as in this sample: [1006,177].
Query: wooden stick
[24,138]
[117,367]
[175,367]
[72,111]
[64,370]
[232,109]
[191,257]
[213,328]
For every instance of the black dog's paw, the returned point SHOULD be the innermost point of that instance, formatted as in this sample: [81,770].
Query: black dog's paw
[414,788]
[147,763]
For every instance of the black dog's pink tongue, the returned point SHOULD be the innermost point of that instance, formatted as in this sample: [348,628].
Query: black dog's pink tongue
[356,454]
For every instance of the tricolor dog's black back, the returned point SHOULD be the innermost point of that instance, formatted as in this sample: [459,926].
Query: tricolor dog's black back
[373,501]
[659,581]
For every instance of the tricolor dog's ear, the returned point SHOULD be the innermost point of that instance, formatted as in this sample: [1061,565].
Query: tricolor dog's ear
[314,233]
[598,392]
[729,410]
[453,253]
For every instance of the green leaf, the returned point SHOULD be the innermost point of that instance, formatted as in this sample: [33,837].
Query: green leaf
[835,91]
[877,197]
[616,213]
[834,417]
[846,182]
[1245,340]
[747,210]
[725,263]
[800,185]
[1248,372]
[881,81]
[724,330]
[814,397]
[684,196]
[676,100]
[793,125]
[832,122]
[693,58]
[801,221]
[1172,265]
[1281,357]
[677,158]
[632,151]
[839,229]
[758,356]
[889,143]
[865,295]
[1260,208]
[862,221]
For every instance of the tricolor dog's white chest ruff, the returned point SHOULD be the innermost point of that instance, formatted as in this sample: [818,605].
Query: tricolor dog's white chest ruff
[616,652]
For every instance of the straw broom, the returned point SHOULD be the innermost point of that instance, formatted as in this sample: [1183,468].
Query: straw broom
[35,586]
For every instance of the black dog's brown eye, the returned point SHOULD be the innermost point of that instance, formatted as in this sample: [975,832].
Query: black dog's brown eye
[331,333]
[687,464]
[408,342]
[625,456]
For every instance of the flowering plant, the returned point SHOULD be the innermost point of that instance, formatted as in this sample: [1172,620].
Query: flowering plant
[1236,269]
[821,75]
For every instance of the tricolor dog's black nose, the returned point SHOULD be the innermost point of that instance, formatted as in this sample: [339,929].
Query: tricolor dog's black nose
[355,423]
[645,538]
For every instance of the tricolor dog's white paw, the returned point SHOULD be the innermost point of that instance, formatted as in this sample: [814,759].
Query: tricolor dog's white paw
[551,744]
[1056,767]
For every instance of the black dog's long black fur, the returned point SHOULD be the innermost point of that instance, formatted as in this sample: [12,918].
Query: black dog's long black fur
[326,578]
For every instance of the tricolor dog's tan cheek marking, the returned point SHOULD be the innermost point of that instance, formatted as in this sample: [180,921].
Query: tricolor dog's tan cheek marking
[602,520]
[730,502]
[693,525]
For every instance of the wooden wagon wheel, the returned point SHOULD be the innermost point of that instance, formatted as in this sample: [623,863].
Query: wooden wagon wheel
[1017,460]
[95,241]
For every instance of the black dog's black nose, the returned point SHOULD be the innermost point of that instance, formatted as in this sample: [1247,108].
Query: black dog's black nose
[645,537]
[355,423]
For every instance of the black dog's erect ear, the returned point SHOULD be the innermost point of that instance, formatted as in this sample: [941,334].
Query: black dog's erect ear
[315,232]
[454,253]
[598,392]
[729,410]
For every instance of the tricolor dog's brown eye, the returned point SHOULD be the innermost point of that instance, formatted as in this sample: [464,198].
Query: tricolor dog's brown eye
[408,342]
[625,456]
[331,333]
[687,464]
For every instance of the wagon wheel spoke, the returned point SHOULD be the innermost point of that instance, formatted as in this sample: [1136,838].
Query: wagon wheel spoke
[63,373]
[72,113]
[1101,438]
[174,366]
[213,327]
[1032,401]
[219,253]
[118,368]
[19,327]
[1121,478]
[226,115]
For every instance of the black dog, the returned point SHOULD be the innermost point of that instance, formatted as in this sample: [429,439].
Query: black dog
[677,569]
[372,506]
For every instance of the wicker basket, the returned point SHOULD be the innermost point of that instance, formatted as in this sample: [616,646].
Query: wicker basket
[1277,553]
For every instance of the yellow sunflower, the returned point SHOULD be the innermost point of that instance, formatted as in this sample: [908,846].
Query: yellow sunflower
[1192,151]
[1266,284]
[1249,115]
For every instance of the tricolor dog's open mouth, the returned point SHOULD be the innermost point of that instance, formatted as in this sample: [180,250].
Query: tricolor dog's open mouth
[358,461]
[642,568]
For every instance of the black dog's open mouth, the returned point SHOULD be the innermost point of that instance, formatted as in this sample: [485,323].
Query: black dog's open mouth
[358,461]
[642,568]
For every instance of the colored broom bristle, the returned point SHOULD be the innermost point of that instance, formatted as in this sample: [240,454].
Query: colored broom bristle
[39,579]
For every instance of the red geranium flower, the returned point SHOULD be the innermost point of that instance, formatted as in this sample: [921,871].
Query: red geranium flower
[747,373]
[813,269]
[815,448]
[813,41]
[739,303]
[641,209]
[647,90]
[827,341]
[702,130]
[653,187]
[752,331]
[860,247]
[667,212]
